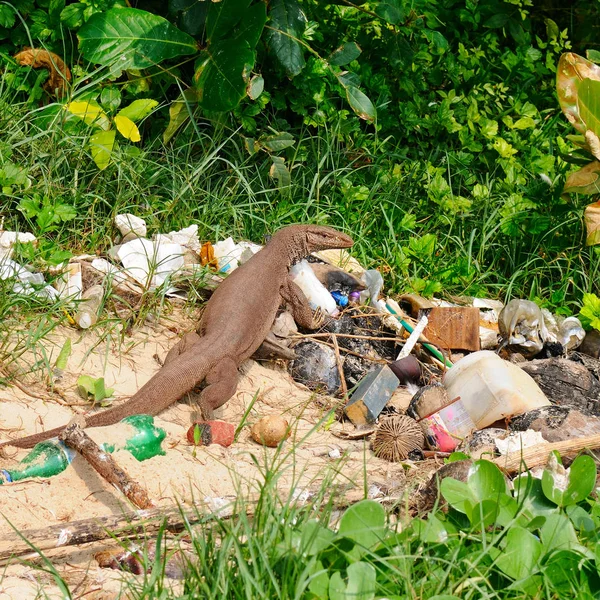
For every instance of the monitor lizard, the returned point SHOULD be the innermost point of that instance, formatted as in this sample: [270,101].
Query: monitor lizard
[235,322]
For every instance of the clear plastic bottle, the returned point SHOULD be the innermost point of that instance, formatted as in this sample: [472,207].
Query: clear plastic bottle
[89,307]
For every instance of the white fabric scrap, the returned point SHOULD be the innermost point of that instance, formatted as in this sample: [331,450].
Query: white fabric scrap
[25,280]
[144,260]
[9,238]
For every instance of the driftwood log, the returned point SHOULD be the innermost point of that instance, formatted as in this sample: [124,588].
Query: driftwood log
[128,525]
[538,455]
[77,439]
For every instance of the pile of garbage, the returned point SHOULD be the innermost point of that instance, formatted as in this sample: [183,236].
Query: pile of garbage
[474,373]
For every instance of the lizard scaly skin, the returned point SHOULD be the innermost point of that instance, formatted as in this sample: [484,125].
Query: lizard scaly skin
[235,322]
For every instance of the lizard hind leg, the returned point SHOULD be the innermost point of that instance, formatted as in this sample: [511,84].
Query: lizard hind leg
[222,382]
[183,345]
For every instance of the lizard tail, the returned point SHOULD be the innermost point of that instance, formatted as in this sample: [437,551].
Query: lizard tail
[170,383]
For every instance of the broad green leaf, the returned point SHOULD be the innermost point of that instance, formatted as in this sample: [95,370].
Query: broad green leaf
[189,15]
[531,496]
[110,97]
[588,102]
[255,88]
[7,16]
[361,581]
[280,172]
[345,54]
[314,538]
[486,482]
[138,109]
[558,533]
[483,514]
[593,55]
[63,356]
[364,522]
[497,21]
[565,487]
[431,531]
[101,146]
[455,456]
[90,113]
[563,571]
[132,39]
[220,76]
[360,104]
[319,581]
[127,128]
[519,559]
[286,26]
[179,112]
[100,391]
[458,495]
[72,15]
[277,142]
[251,26]
[391,11]
[223,16]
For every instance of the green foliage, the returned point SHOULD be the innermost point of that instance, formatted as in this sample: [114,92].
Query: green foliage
[89,387]
[590,312]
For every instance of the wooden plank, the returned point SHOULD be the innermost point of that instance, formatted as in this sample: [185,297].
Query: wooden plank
[453,327]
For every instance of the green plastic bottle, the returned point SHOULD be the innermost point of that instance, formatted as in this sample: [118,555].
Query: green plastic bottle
[52,457]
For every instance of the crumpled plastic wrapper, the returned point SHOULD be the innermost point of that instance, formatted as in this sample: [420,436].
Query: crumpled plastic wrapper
[9,238]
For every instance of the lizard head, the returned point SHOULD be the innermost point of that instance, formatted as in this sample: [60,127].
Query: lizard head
[305,239]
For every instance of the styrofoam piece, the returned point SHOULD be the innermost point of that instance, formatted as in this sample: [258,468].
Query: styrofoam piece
[150,263]
[187,237]
[228,255]
[519,440]
[127,223]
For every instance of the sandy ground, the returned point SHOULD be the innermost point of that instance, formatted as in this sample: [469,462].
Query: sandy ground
[214,472]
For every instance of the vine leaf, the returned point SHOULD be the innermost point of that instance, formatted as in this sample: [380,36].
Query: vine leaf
[132,39]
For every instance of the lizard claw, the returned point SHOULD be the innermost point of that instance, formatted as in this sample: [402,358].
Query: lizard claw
[318,318]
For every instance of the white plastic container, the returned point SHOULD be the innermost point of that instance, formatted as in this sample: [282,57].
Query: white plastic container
[492,389]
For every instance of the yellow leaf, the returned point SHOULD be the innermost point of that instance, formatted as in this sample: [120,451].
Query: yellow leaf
[89,113]
[127,128]
[101,145]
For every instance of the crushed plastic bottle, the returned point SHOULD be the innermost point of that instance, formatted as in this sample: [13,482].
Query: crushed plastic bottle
[47,458]
[52,457]
[87,313]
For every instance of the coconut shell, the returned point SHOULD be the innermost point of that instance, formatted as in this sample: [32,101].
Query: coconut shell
[396,436]
[270,430]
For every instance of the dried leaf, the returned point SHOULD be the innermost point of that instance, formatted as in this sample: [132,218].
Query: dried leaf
[58,71]
[584,181]
[572,70]
[591,217]
[593,143]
